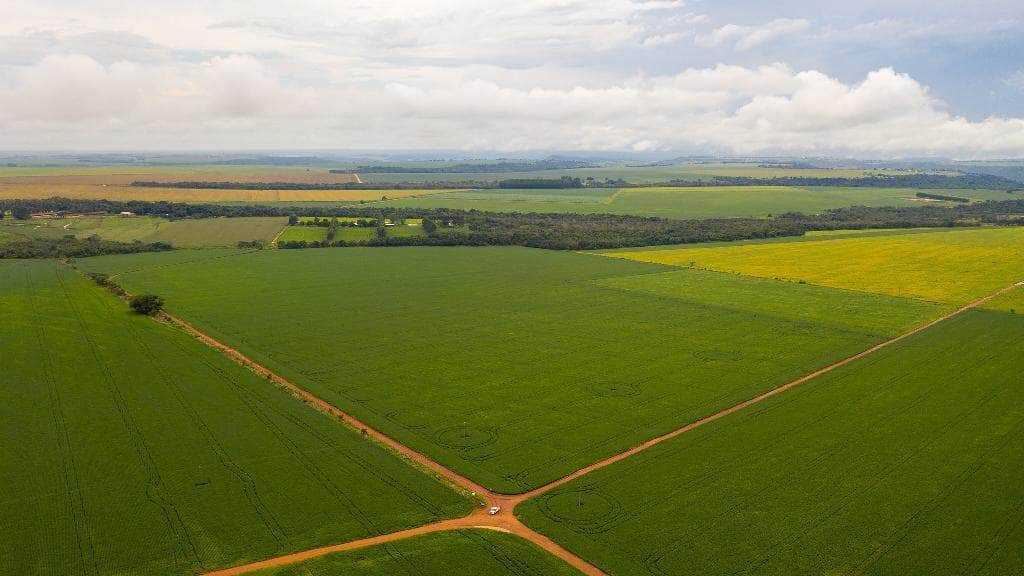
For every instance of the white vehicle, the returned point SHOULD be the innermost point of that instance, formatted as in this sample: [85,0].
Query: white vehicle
[494,510]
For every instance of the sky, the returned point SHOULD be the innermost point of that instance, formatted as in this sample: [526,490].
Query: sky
[870,78]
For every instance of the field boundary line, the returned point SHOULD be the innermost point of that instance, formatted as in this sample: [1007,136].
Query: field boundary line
[279,234]
[503,520]
[358,425]
[764,396]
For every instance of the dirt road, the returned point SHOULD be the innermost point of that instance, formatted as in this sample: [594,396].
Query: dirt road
[505,520]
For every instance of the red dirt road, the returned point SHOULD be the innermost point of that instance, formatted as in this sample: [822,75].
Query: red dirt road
[480,518]
[505,521]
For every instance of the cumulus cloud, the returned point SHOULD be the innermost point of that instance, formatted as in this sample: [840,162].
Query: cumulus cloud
[747,37]
[535,74]
[724,108]
[75,89]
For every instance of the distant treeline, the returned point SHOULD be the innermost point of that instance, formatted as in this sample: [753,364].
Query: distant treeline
[563,182]
[71,247]
[921,181]
[570,231]
[205,185]
[936,181]
[943,197]
[474,168]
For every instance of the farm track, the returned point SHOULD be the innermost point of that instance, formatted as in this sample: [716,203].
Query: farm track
[278,235]
[504,520]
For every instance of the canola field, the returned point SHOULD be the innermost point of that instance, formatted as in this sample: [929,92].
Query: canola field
[950,266]
[510,365]
[910,461]
[457,553]
[131,448]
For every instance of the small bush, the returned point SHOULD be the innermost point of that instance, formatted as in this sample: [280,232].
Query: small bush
[148,304]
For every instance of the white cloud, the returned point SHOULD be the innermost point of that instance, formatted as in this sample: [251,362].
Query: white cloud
[236,102]
[75,89]
[747,37]
[535,74]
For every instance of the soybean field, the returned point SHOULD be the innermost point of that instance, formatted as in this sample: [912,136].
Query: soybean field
[515,366]
[910,461]
[131,448]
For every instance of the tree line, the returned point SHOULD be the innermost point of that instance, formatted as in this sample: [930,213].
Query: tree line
[568,231]
[961,181]
[72,247]
[549,163]
[942,197]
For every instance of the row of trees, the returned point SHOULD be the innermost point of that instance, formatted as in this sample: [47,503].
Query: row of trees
[579,231]
[71,247]
[331,222]
[961,181]
[543,183]
[942,197]
[549,163]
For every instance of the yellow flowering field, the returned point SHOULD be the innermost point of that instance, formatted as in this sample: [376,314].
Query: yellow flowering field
[1012,301]
[952,266]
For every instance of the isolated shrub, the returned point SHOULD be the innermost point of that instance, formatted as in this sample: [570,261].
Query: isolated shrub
[148,304]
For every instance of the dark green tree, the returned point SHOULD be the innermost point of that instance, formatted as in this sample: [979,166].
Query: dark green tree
[148,304]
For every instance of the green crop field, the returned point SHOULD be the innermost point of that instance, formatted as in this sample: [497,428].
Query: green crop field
[907,462]
[188,233]
[346,233]
[951,266]
[131,448]
[684,203]
[511,365]
[303,233]
[459,553]
[1012,302]
[632,174]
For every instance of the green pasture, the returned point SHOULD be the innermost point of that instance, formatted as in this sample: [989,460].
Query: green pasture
[457,553]
[131,448]
[910,461]
[303,233]
[634,174]
[186,233]
[510,365]
[679,203]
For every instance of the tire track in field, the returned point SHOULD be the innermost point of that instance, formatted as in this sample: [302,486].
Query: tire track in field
[72,481]
[155,490]
[264,512]
[504,520]
[769,394]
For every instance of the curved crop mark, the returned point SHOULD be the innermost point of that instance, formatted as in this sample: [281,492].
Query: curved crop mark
[466,437]
[718,355]
[72,482]
[585,511]
[154,490]
[614,389]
